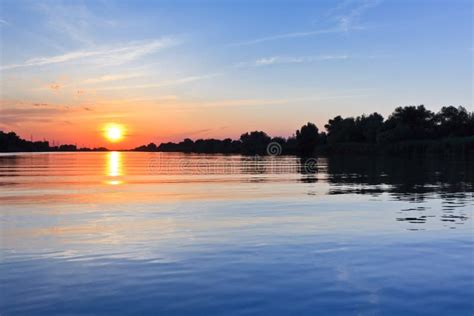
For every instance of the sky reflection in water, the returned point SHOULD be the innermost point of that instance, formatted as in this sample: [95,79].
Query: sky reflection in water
[141,232]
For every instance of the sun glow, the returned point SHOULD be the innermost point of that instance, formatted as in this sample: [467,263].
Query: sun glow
[114,132]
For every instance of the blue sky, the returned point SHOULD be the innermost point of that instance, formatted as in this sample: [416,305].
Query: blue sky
[171,69]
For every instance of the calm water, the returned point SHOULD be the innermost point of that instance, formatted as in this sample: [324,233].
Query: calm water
[91,233]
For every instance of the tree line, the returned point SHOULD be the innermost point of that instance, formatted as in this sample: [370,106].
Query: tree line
[11,142]
[409,129]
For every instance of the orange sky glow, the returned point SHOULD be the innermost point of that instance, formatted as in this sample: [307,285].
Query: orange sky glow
[67,69]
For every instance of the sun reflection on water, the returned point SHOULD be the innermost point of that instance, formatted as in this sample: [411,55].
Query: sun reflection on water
[114,167]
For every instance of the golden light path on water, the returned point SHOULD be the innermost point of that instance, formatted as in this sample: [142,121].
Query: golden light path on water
[114,167]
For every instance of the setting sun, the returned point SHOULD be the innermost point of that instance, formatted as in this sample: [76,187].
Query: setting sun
[114,132]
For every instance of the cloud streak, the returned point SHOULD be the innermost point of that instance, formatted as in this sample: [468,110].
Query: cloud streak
[347,15]
[264,102]
[286,36]
[109,78]
[275,60]
[114,55]
[73,20]
[194,105]
[164,83]
[16,112]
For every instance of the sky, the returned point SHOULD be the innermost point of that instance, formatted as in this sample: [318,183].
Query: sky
[166,70]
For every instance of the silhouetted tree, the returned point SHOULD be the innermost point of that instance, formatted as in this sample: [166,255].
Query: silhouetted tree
[255,142]
[307,138]
[343,130]
[362,134]
[187,145]
[369,126]
[452,121]
[409,129]
[67,148]
[408,123]
[149,147]
[291,145]
[11,142]
[209,146]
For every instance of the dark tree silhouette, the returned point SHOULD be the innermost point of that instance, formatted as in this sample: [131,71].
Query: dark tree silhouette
[405,123]
[409,129]
[255,142]
[452,121]
[11,142]
[149,147]
[369,126]
[342,130]
[226,146]
[307,138]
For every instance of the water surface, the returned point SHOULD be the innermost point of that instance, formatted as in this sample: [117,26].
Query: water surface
[124,232]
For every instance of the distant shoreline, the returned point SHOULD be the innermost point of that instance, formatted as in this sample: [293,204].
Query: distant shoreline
[408,130]
[459,145]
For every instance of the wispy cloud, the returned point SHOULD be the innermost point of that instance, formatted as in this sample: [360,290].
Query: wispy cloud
[4,22]
[286,36]
[73,19]
[15,112]
[274,60]
[163,83]
[114,55]
[346,15]
[193,105]
[55,86]
[261,102]
[109,78]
